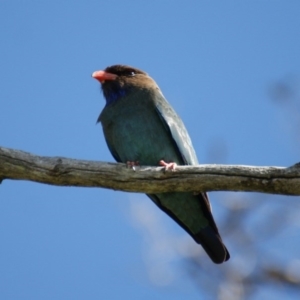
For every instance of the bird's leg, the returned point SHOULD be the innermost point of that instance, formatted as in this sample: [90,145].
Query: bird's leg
[168,166]
[132,164]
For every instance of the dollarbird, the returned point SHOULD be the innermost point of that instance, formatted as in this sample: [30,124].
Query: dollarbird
[141,127]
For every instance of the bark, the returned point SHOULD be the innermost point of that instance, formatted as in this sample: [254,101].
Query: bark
[19,165]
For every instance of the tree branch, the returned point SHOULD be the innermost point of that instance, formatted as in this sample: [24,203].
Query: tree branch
[19,165]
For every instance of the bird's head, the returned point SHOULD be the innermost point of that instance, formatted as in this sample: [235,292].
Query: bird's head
[119,80]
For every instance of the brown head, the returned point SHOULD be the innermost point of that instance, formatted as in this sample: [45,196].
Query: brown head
[119,80]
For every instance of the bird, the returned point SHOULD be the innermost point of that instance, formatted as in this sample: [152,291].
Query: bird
[141,128]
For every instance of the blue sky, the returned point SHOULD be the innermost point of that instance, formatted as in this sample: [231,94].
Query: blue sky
[215,63]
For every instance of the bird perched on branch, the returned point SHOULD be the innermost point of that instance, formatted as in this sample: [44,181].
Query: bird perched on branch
[141,127]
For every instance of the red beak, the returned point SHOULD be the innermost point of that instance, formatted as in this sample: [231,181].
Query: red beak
[102,76]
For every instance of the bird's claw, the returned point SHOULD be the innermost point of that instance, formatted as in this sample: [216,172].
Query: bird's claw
[168,166]
[132,164]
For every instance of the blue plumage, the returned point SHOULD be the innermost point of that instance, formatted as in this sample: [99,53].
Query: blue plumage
[140,125]
[113,95]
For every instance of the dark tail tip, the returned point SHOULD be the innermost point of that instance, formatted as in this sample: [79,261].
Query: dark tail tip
[212,244]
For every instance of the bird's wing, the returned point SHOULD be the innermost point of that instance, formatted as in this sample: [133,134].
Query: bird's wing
[175,126]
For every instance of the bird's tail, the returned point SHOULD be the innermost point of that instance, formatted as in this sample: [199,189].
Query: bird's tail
[212,244]
[209,236]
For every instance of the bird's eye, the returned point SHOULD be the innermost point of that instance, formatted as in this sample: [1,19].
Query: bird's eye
[130,73]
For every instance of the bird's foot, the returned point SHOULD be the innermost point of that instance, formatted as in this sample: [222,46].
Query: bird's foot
[168,166]
[132,164]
